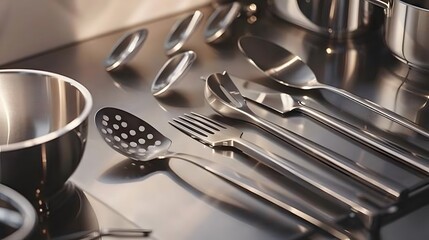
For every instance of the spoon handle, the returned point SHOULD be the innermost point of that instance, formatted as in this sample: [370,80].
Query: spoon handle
[379,110]
[369,139]
[331,158]
[264,192]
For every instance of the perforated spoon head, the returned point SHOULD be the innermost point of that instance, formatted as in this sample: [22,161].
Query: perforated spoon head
[130,135]
[278,63]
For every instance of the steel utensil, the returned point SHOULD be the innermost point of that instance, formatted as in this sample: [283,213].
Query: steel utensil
[109,232]
[218,24]
[216,134]
[136,139]
[224,97]
[43,130]
[172,71]
[181,31]
[288,69]
[125,49]
[283,104]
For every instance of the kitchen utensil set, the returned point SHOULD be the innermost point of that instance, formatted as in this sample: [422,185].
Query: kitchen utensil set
[136,139]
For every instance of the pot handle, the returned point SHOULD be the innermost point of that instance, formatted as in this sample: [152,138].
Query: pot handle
[386,4]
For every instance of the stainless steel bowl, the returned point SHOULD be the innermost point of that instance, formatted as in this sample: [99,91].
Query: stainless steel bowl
[43,119]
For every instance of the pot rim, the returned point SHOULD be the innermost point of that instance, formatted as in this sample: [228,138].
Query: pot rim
[68,127]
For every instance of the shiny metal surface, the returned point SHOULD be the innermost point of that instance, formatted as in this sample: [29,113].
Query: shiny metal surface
[219,22]
[18,216]
[181,31]
[284,104]
[336,19]
[224,97]
[73,214]
[288,69]
[200,206]
[406,30]
[44,129]
[125,49]
[127,135]
[172,71]
[217,134]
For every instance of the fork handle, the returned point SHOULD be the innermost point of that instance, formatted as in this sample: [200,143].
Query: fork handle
[290,169]
[263,191]
[367,176]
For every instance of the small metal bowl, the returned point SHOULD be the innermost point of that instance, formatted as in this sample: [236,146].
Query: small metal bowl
[43,119]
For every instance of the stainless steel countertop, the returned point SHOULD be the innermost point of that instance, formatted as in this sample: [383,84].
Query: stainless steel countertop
[184,202]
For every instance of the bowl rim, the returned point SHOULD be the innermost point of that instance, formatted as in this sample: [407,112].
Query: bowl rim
[68,127]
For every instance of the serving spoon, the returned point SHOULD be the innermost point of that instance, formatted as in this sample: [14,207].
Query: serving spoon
[288,69]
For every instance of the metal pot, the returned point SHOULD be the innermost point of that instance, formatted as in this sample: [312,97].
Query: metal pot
[333,18]
[406,30]
[43,119]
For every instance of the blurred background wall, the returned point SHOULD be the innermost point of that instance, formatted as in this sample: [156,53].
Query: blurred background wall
[28,27]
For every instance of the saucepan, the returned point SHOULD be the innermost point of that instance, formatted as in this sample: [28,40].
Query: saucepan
[406,30]
[43,130]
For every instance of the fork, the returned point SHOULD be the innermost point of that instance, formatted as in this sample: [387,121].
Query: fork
[216,135]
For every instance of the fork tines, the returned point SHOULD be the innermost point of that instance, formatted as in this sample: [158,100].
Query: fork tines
[197,126]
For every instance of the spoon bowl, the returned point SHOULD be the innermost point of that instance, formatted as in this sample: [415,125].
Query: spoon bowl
[288,69]
[278,63]
[130,136]
[172,71]
[181,31]
[125,49]
[218,25]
